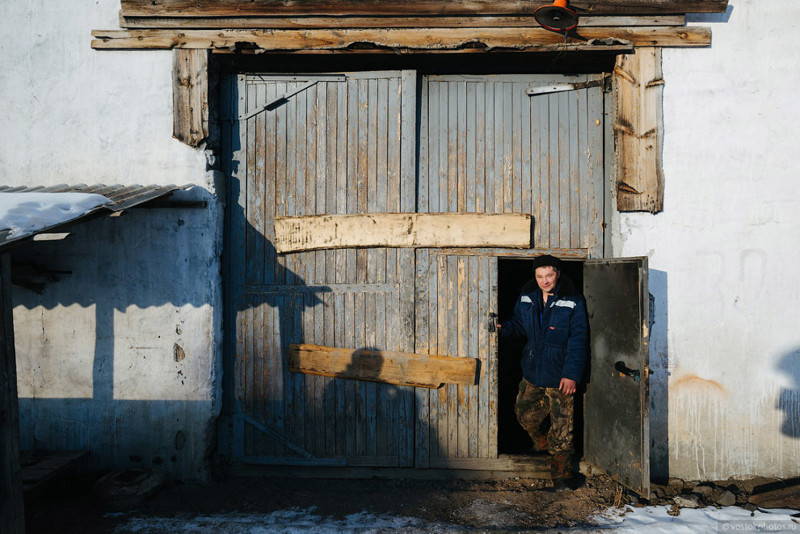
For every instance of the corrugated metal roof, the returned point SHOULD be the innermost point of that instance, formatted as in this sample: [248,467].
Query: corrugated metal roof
[122,197]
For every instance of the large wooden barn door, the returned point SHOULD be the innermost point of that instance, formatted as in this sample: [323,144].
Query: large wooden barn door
[317,145]
[496,144]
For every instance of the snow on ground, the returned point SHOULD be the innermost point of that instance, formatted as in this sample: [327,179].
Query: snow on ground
[283,522]
[23,214]
[655,519]
[651,519]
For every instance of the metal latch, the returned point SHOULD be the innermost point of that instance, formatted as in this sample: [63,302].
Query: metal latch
[269,106]
[625,370]
[492,322]
[562,87]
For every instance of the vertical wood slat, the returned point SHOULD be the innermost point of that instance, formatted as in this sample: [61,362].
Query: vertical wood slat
[639,136]
[190,96]
[12,507]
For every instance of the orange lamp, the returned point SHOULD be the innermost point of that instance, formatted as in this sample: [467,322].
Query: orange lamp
[556,17]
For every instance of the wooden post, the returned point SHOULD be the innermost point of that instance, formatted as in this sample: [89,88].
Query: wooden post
[190,96]
[12,516]
[638,131]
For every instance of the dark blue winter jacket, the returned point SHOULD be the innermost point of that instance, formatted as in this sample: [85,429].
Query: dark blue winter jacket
[557,332]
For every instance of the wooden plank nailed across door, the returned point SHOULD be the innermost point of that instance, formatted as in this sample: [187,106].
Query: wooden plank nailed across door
[402,230]
[388,367]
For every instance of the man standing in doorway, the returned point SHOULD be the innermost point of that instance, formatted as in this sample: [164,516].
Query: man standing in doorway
[552,315]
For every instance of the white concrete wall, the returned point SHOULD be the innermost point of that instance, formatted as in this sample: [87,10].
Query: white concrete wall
[96,352]
[724,260]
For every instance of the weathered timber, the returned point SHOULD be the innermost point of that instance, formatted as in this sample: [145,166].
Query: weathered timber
[398,39]
[389,367]
[415,230]
[638,131]
[12,516]
[243,8]
[311,22]
[190,96]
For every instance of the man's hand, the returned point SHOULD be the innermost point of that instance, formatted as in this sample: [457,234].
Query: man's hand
[567,386]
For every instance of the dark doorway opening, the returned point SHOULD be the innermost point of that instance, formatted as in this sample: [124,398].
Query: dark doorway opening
[513,274]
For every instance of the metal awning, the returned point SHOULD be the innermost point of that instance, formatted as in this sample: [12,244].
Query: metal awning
[27,215]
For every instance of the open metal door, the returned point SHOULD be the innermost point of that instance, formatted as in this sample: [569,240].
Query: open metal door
[616,412]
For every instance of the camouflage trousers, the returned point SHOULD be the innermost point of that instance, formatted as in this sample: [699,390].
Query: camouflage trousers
[533,406]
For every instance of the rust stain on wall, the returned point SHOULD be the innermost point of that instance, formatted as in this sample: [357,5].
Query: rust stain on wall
[696,383]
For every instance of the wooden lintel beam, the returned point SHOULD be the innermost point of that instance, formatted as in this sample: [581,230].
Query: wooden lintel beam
[388,367]
[245,8]
[416,39]
[311,22]
[410,230]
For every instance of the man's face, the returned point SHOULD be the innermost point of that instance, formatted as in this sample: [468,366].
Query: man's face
[547,277]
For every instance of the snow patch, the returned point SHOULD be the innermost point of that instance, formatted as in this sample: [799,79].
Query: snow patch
[655,519]
[24,214]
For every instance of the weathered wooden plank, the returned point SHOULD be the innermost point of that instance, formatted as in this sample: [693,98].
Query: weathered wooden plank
[316,22]
[492,375]
[475,322]
[12,509]
[439,407]
[239,8]
[190,96]
[388,367]
[402,230]
[638,130]
[462,326]
[522,465]
[484,354]
[563,176]
[422,345]
[399,39]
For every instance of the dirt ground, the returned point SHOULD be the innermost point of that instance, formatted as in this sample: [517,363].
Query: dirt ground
[484,505]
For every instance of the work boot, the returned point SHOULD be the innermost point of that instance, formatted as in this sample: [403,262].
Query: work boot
[539,443]
[561,466]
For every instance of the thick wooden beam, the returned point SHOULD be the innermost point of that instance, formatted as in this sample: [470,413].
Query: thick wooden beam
[414,39]
[399,368]
[638,131]
[417,230]
[190,96]
[12,516]
[311,22]
[245,8]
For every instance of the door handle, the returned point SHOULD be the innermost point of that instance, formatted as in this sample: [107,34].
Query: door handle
[492,322]
[625,370]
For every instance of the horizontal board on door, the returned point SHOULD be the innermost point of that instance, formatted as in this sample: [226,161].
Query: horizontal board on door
[389,367]
[418,230]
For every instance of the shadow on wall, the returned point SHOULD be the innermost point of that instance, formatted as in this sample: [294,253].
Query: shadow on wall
[789,399]
[659,375]
[710,17]
[121,356]
[274,416]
